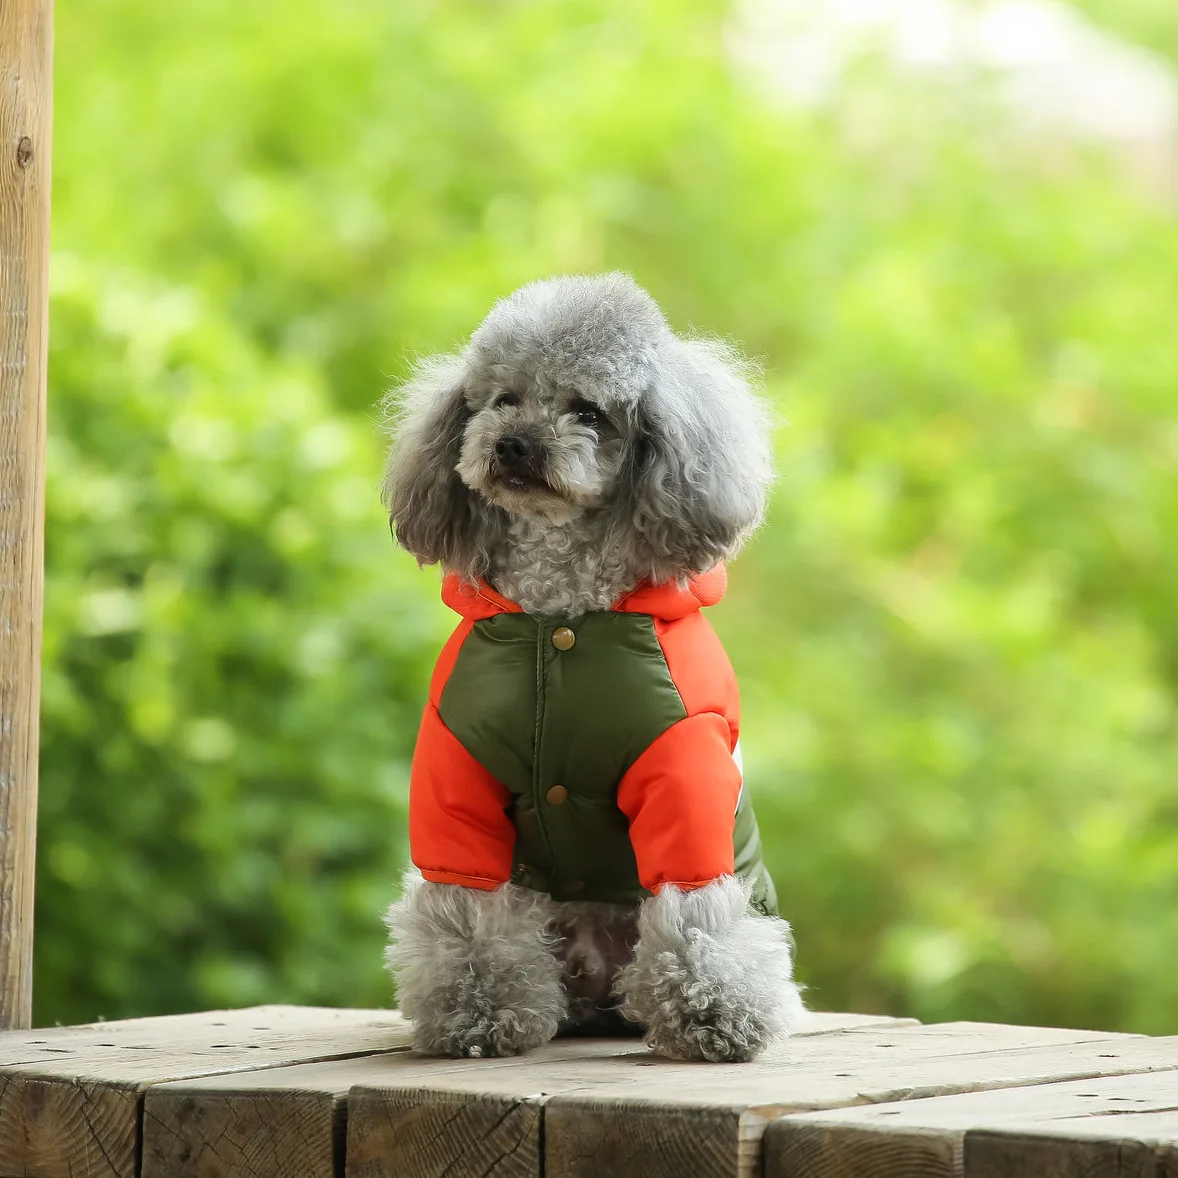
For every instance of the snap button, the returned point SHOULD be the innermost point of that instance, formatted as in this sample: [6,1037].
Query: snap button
[563,638]
[575,885]
[556,795]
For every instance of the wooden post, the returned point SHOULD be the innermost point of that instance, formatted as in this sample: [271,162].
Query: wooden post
[26,53]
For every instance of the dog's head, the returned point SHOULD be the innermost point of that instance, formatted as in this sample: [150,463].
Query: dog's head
[575,397]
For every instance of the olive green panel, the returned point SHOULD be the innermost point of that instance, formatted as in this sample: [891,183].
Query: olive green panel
[489,701]
[750,863]
[605,702]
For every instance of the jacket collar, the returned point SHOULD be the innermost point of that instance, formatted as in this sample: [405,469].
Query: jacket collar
[477,600]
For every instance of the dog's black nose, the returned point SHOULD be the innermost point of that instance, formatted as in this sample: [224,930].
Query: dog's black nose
[514,449]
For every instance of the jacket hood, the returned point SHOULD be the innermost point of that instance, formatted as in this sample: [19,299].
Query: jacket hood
[477,600]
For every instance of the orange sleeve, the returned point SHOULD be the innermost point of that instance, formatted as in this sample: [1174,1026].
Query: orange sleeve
[680,797]
[459,831]
[700,670]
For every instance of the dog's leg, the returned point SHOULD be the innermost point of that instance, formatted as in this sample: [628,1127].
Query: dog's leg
[476,971]
[710,978]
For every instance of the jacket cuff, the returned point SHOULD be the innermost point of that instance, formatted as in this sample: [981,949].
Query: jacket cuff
[482,883]
[685,885]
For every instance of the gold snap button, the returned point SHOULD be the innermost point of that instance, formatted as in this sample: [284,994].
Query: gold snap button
[563,638]
[556,795]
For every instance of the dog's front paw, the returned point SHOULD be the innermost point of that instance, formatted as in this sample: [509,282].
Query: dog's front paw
[476,971]
[686,1019]
[484,1039]
[484,1017]
[710,980]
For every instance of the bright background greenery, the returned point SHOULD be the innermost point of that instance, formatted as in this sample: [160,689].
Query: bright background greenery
[957,635]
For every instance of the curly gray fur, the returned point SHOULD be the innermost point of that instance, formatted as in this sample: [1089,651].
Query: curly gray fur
[710,979]
[476,971]
[649,453]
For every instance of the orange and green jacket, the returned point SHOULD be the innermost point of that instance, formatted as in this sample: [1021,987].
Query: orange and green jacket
[592,758]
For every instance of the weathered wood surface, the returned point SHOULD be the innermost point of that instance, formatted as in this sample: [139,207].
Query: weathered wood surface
[647,1127]
[336,1094]
[195,1127]
[26,50]
[610,1108]
[432,1133]
[70,1097]
[1085,1127]
[191,1127]
[205,1127]
[1137,1145]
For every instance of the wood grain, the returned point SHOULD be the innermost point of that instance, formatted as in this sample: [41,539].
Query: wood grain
[821,1149]
[283,1122]
[1012,1155]
[419,1133]
[232,1134]
[290,1120]
[26,50]
[588,1137]
[967,1134]
[70,1098]
[192,1127]
[1118,1145]
[298,1093]
[610,1107]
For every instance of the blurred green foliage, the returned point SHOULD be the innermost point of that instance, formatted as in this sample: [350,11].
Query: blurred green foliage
[1152,24]
[957,635]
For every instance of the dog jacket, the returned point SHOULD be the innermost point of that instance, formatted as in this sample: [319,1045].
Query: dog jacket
[591,758]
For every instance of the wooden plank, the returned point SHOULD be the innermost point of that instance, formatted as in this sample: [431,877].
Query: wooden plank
[132,1048]
[842,1150]
[1133,1145]
[615,1109]
[26,53]
[590,1106]
[289,1133]
[423,1133]
[944,1137]
[845,1069]
[285,1122]
[585,1136]
[821,1022]
[70,1097]
[191,1127]
[289,1121]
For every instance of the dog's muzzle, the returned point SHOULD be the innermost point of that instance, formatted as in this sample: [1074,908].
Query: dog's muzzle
[519,459]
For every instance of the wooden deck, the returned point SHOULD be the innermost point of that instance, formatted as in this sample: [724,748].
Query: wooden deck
[293,1092]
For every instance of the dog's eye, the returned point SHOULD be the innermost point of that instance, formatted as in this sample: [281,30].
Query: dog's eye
[589,415]
[505,401]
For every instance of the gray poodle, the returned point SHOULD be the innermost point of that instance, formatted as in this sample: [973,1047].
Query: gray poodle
[586,857]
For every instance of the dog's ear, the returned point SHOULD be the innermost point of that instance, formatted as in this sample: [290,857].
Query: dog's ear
[433,514]
[703,462]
